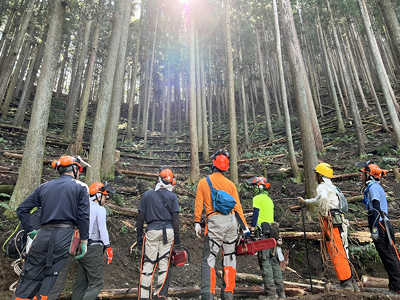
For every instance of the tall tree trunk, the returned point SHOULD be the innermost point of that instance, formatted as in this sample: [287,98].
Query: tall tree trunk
[105,94]
[289,137]
[194,147]
[392,23]
[63,65]
[76,148]
[149,80]
[108,160]
[29,81]
[206,157]
[76,89]
[359,129]
[9,65]
[380,68]
[231,97]
[293,51]
[32,163]
[331,83]
[271,136]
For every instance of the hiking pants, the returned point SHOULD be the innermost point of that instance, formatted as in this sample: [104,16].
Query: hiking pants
[271,272]
[156,254]
[336,244]
[90,278]
[389,256]
[47,265]
[221,231]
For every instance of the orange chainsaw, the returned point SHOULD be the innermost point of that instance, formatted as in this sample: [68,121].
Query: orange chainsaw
[248,246]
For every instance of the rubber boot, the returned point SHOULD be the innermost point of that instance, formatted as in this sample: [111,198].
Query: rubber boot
[345,286]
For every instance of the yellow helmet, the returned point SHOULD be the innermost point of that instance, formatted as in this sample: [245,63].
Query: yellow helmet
[324,169]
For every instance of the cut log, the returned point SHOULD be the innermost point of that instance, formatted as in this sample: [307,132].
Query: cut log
[125,211]
[396,173]
[374,282]
[20,156]
[2,169]
[257,279]
[6,189]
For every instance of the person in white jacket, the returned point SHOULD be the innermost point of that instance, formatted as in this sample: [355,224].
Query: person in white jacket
[334,227]
[90,278]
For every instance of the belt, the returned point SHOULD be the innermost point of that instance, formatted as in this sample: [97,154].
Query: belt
[61,225]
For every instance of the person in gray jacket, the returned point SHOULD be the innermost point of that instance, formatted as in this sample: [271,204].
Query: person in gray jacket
[90,278]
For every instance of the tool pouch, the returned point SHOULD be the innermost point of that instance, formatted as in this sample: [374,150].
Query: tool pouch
[75,241]
[337,220]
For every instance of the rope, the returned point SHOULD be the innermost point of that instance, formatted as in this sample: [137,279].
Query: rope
[17,270]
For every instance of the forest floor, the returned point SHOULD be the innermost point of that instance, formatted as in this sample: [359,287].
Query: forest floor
[123,272]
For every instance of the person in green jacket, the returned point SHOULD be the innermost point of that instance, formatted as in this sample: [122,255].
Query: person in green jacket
[263,226]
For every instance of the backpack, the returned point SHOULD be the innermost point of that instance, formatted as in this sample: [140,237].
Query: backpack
[343,206]
[14,246]
[222,201]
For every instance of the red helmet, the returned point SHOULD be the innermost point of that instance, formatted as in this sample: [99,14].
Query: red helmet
[66,161]
[221,160]
[371,168]
[167,176]
[260,182]
[103,188]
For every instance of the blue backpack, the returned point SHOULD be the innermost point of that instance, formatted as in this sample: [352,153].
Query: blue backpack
[222,201]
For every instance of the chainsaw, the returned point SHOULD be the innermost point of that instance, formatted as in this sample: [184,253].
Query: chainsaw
[249,246]
[180,257]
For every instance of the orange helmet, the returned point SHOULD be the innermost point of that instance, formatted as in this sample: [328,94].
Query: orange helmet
[167,176]
[221,160]
[372,169]
[102,188]
[66,161]
[260,182]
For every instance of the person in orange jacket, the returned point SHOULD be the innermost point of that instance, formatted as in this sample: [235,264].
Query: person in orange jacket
[221,229]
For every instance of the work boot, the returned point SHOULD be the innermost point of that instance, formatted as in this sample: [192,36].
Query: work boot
[355,286]
[345,286]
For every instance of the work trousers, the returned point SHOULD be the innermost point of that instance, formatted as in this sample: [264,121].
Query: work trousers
[389,256]
[156,254]
[90,278]
[271,272]
[336,244]
[221,231]
[46,266]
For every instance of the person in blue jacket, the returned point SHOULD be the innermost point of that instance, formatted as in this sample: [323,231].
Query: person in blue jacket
[65,207]
[382,232]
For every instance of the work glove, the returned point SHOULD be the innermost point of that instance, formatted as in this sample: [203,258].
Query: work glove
[247,232]
[33,233]
[140,243]
[302,202]
[197,229]
[110,254]
[82,250]
[375,233]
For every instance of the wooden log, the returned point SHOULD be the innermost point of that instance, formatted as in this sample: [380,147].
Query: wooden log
[257,279]
[182,292]
[396,173]
[126,211]
[6,189]
[20,156]
[2,169]
[137,173]
[361,236]
[374,282]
